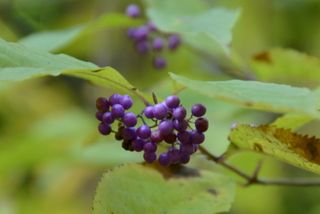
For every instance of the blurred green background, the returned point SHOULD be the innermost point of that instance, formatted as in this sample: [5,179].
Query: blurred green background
[51,155]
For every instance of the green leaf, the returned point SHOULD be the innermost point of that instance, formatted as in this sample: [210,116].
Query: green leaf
[192,19]
[144,188]
[256,95]
[300,151]
[57,39]
[287,66]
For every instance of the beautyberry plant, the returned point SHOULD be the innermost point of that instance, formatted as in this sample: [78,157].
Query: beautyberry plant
[170,127]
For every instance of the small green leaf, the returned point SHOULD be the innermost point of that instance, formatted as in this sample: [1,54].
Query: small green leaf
[300,151]
[143,188]
[256,95]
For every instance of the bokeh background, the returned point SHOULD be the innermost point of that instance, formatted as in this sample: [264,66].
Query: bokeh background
[51,155]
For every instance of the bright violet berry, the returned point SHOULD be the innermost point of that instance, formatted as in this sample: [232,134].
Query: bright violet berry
[163,159]
[133,11]
[115,99]
[198,110]
[174,42]
[165,127]
[141,33]
[126,102]
[104,128]
[143,131]
[117,111]
[157,44]
[148,112]
[129,119]
[108,118]
[172,101]
[160,111]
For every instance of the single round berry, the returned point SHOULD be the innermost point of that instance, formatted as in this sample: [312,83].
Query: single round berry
[149,157]
[187,148]
[148,112]
[104,128]
[115,99]
[142,46]
[172,101]
[133,11]
[184,136]
[165,127]
[184,159]
[108,118]
[143,131]
[137,144]
[173,42]
[102,104]
[180,125]
[141,33]
[126,102]
[156,136]
[129,119]
[150,147]
[117,111]
[99,115]
[129,133]
[160,111]
[159,62]
[163,159]
[157,44]
[202,124]
[174,155]
[151,26]
[179,113]
[170,138]
[196,137]
[131,32]
[198,110]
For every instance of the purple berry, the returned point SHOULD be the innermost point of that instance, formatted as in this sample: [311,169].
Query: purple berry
[133,11]
[202,124]
[174,155]
[159,62]
[163,159]
[151,26]
[198,110]
[172,101]
[187,148]
[150,147]
[137,144]
[157,44]
[165,127]
[126,102]
[197,137]
[115,99]
[142,46]
[108,118]
[99,115]
[131,32]
[102,104]
[129,133]
[149,157]
[180,125]
[141,33]
[173,41]
[160,111]
[156,136]
[184,159]
[148,112]
[179,113]
[170,138]
[184,136]
[129,119]
[104,128]
[117,111]
[143,131]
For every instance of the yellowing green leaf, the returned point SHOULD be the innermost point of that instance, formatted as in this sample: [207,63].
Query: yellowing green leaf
[300,151]
[143,188]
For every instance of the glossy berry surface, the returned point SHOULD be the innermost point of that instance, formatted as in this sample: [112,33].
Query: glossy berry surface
[163,159]
[201,124]
[198,110]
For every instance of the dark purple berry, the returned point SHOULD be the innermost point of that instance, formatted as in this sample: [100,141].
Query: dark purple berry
[148,112]
[150,147]
[196,137]
[184,159]
[151,26]
[173,41]
[99,115]
[143,131]
[102,104]
[165,127]
[202,124]
[180,125]
[156,136]
[172,101]
[129,119]
[174,155]
[198,110]
[117,111]
[115,99]
[131,32]
[149,157]
[129,133]
[108,118]
[159,62]
[163,159]
[187,148]
[160,111]
[137,144]
[141,33]
[179,113]
[142,46]
[133,11]
[183,136]
[170,138]
[104,128]
[157,44]
[126,102]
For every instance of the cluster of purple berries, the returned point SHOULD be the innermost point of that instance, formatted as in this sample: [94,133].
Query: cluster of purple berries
[148,39]
[170,125]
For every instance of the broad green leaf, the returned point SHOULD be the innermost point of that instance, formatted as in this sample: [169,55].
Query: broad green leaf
[56,39]
[144,188]
[256,95]
[287,66]
[298,150]
[194,18]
